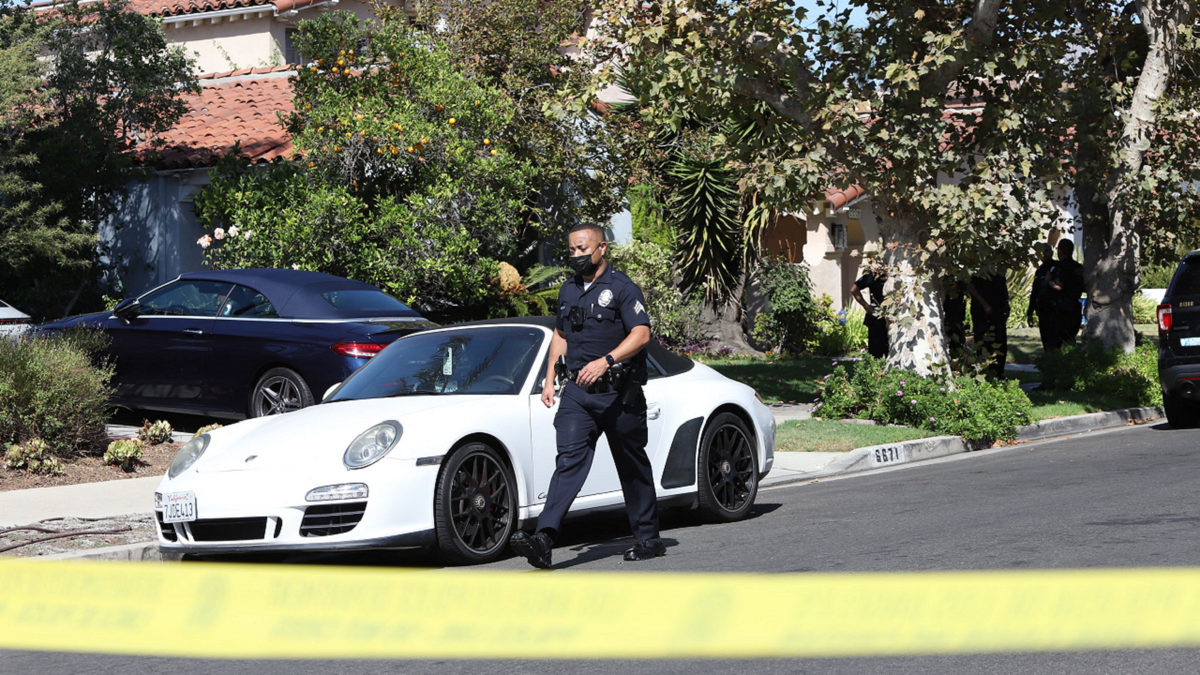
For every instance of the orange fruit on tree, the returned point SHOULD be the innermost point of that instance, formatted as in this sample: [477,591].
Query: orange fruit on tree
[487,141]
[493,152]
[452,121]
[438,108]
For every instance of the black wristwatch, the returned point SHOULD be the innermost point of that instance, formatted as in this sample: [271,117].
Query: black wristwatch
[611,361]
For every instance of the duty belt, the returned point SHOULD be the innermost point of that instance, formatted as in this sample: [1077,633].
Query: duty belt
[603,385]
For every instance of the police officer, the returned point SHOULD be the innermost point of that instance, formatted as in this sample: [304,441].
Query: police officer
[877,329]
[1064,286]
[602,328]
[989,317]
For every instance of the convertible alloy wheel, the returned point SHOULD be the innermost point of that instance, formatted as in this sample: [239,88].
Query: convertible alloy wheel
[728,468]
[279,391]
[475,505]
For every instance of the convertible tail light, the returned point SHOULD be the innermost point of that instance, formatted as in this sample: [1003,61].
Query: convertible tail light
[358,350]
[1164,318]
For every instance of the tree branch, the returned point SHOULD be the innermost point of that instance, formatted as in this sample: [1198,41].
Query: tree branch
[979,31]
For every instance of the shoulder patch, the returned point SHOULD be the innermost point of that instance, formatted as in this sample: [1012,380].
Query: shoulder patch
[638,308]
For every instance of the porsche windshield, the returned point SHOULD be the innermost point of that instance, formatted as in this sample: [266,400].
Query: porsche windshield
[480,360]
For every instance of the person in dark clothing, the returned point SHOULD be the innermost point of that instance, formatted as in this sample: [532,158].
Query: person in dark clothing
[1039,301]
[877,330]
[989,314]
[601,329]
[1064,285]
[954,316]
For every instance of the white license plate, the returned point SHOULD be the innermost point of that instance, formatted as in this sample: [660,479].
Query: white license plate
[1189,342]
[179,507]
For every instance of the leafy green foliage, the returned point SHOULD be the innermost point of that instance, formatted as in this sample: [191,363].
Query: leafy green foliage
[1145,310]
[837,334]
[675,320]
[111,80]
[790,323]
[33,456]
[1159,276]
[124,453]
[977,409]
[1132,377]
[51,390]
[649,217]
[421,170]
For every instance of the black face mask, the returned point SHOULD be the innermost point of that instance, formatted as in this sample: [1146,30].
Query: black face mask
[582,264]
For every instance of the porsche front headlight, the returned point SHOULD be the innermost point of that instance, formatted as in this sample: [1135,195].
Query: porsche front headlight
[372,444]
[187,455]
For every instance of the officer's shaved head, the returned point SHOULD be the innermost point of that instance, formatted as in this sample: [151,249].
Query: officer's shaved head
[585,238]
[590,228]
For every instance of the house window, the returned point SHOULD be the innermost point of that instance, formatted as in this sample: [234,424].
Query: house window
[290,55]
[837,232]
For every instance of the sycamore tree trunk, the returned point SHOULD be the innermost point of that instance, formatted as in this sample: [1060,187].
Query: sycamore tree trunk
[913,301]
[1111,243]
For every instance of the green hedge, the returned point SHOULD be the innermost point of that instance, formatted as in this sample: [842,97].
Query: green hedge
[51,390]
[977,409]
[1133,377]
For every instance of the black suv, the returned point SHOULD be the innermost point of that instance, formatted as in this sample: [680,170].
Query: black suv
[1179,345]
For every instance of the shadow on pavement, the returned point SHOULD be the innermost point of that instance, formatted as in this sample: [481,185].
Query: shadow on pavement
[592,536]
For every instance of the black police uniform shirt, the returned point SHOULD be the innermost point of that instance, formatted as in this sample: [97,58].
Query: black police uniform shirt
[610,308]
[874,284]
[993,288]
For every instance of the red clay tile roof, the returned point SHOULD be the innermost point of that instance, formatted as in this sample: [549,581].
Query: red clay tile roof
[176,7]
[237,106]
[839,198]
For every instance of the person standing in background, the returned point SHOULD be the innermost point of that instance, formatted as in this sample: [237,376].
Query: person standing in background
[1039,300]
[1064,288]
[989,316]
[877,330]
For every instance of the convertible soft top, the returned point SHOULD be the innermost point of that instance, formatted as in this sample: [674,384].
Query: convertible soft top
[298,294]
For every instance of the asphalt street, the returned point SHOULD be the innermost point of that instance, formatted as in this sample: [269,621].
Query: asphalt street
[1125,498]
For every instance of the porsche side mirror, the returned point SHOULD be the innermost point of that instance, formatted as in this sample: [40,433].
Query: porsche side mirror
[127,309]
[329,391]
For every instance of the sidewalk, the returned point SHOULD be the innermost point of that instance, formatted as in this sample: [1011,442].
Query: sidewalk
[86,500]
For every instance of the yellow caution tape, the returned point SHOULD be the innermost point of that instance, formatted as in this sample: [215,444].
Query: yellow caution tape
[252,611]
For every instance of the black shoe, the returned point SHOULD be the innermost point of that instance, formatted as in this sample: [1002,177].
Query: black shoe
[535,549]
[646,549]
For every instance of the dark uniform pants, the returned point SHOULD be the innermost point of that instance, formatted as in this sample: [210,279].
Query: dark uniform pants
[877,336]
[991,331]
[580,420]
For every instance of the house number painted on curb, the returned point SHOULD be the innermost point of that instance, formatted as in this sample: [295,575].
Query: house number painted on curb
[888,456]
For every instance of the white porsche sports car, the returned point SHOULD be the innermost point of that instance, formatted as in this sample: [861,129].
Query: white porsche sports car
[442,440]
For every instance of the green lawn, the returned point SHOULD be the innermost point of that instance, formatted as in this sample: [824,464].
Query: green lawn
[787,379]
[834,436]
[1024,345]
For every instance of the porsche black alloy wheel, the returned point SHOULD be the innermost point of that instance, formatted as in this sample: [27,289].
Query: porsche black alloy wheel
[475,506]
[728,469]
[278,391]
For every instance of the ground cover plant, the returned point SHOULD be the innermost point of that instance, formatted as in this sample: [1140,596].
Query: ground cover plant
[838,436]
[975,408]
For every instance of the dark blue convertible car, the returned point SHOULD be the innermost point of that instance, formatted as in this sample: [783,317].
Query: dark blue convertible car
[244,343]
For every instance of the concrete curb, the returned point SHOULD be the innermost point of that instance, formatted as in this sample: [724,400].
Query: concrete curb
[906,452]
[1080,424]
[144,552]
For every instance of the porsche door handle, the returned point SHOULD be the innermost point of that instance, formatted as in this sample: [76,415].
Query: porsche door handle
[193,331]
[654,412]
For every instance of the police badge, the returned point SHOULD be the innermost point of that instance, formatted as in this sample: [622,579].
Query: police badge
[605,298]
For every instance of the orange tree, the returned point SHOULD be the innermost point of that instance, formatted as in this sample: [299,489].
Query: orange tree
[413,171]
